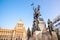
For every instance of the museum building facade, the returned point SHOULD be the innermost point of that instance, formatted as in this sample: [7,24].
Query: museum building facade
[18,33]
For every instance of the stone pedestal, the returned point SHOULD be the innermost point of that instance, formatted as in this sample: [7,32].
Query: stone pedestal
[46,35]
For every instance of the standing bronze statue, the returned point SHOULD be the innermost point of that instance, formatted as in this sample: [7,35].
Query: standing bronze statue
[50,25]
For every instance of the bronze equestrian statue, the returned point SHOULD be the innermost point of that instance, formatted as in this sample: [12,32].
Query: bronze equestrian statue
[36,17]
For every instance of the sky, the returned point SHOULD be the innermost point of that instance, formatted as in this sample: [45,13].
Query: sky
[11,11]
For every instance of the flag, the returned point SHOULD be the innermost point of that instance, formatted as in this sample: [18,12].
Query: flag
[32,4]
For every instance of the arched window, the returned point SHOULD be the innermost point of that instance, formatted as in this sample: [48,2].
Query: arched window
[4,39]
[16,38]
[1,39]
[11,38]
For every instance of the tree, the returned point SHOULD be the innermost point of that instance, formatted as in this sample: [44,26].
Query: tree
[28,34]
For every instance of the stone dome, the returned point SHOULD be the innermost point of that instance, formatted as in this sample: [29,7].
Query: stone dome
[19,25]
[20,22]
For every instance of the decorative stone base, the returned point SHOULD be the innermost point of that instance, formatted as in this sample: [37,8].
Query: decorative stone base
[39,35]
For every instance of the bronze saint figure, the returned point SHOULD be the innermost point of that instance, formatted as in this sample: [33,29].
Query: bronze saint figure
[50,25]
